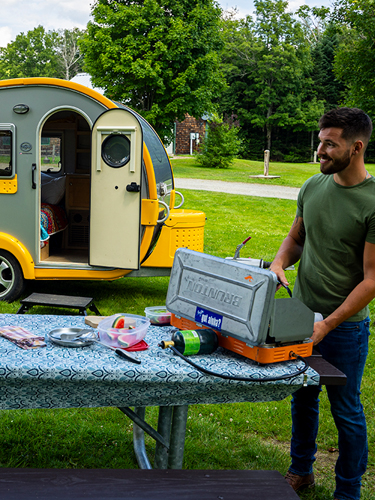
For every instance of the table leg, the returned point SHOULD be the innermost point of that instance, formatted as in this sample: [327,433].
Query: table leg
[164,429]
[170,436]
[139,441]
[177,442]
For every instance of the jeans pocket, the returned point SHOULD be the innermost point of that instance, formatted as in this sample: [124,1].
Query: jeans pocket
[348,343]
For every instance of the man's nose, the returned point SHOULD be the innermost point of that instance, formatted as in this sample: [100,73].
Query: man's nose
[320,150]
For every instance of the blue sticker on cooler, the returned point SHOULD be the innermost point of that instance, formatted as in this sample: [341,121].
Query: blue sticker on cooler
[208,318]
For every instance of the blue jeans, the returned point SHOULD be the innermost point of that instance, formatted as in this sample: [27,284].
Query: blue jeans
[346,347]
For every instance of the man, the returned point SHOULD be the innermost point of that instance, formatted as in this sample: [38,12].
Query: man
[334,236]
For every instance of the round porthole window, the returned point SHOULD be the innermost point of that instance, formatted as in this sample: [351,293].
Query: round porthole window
[116,150]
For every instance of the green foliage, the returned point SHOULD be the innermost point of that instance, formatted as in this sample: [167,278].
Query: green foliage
[267,63]
[41,53]
[30,55]
[326,85]
[355,57]
[314,22]
[222,144]
[159,56]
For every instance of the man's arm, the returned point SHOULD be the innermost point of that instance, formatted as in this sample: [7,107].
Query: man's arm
[362,295]
[290,250]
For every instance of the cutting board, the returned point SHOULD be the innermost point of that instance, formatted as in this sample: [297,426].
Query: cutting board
[93,321]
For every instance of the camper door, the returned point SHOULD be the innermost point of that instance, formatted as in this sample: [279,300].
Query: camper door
[115,202]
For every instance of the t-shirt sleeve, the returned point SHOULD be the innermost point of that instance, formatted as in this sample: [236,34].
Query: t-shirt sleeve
[300,198]
[370,236]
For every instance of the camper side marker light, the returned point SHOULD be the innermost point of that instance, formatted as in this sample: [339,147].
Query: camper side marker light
[21,109]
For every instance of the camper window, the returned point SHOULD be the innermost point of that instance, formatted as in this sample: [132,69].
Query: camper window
[116,150]
[50,153]
[6,153]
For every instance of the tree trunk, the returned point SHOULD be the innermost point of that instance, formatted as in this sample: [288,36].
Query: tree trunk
[269,129]
[269,135]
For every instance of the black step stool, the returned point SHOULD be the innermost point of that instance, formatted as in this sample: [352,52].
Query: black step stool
[67,301]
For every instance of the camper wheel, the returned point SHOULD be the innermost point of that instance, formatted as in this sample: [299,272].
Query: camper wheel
[11,277]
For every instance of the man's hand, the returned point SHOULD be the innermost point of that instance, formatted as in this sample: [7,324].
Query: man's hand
[279,271]
[320,331]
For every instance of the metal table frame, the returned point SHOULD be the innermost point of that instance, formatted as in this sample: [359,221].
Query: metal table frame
[170,435]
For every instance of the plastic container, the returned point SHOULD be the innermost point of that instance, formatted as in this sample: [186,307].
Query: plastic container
[135,329]
[158,315]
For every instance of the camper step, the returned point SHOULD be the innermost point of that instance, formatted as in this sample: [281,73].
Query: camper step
[67,301]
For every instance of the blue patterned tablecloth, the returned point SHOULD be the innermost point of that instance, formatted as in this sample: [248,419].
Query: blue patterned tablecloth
[62,377]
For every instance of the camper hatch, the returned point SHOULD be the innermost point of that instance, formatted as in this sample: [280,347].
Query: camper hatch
[86,189]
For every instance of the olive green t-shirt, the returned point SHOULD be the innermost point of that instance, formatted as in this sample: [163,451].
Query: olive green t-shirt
[338,221]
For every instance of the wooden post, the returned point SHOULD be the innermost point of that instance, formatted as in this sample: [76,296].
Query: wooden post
[266,162]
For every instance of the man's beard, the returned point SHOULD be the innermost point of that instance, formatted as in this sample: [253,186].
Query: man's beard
[335,166]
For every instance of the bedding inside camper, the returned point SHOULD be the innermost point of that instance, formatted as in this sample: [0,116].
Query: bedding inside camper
[52,216]
[52,219]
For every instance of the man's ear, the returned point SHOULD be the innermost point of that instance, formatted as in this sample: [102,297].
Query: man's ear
[358,147]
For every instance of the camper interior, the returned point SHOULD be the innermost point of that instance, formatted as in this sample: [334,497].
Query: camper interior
[65,159]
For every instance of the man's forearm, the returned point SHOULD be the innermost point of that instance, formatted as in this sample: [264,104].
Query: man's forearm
[362,295]
[289,253]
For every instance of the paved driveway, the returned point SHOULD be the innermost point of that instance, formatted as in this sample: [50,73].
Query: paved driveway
[262,190]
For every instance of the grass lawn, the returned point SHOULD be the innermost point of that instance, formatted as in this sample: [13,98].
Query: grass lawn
[232,436]
[291,174]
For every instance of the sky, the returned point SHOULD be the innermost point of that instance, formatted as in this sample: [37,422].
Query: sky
[21,16]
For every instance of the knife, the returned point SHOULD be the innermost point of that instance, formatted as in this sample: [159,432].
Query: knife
[119,352]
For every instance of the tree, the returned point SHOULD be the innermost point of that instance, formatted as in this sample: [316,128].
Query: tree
[30,55]
[267,63]
[222,144]
[314,21]
[41,53]
[69,57]
[159,56]
[326,84]
[355,56]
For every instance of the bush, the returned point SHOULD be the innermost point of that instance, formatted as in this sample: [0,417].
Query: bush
[222,144]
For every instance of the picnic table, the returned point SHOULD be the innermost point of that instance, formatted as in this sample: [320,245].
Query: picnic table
[93,376]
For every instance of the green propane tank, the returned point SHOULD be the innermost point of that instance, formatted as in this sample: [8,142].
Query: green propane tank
[189,342]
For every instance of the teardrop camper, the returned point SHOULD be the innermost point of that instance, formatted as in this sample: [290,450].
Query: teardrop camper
[86,189]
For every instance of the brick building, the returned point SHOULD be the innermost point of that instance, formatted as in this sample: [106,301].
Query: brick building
[182,134]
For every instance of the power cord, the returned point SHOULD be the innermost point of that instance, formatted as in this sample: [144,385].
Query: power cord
[246,379]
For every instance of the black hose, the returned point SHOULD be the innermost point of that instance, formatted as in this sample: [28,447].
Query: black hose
[286,288]
[245,379]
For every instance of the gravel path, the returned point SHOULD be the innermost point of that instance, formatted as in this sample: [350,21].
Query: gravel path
[262,190]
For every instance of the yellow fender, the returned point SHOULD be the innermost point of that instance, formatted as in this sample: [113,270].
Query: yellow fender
[20,252]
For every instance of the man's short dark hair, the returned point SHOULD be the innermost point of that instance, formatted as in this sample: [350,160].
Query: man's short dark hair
[354,122]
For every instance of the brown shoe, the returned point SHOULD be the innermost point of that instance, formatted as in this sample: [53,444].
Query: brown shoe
[299,482]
